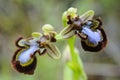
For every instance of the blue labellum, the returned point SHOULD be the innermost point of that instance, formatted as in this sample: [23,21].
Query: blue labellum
[25,56]
[93,36]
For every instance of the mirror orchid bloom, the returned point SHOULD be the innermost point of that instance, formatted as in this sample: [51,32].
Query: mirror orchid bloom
[24,59]
[93,37]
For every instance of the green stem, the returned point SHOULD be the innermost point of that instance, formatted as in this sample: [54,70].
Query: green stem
[74,68]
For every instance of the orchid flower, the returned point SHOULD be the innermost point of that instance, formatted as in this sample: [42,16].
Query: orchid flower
[24,59]
[93,37]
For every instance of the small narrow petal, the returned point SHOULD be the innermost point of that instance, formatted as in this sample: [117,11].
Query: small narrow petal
[87,16]
[53,51]
[36,34]
[94,24]
[20,42]
[68,32]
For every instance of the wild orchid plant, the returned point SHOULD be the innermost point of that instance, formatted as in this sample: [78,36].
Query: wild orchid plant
[89,30]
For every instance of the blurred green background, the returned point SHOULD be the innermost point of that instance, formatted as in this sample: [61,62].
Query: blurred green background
[22,17]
